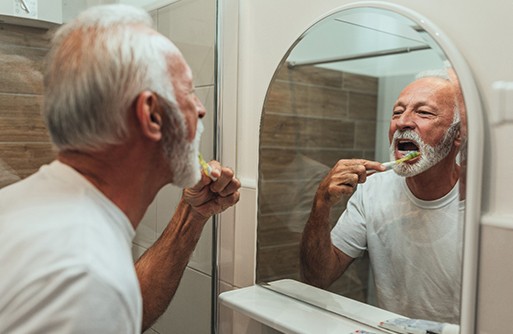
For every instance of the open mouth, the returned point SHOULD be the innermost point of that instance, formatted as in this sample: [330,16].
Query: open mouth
[405,146]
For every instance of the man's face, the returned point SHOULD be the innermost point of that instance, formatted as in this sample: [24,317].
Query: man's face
[188,102]
[181,135]
[422,121]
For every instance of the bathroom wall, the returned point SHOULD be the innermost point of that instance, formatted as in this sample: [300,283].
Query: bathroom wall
[24,141]
[190,24]
[312,117]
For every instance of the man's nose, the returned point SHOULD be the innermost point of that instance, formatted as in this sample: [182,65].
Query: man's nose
[405,121]
[200,108]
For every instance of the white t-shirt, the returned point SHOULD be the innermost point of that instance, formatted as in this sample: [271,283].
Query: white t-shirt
[65,259]
[415,246]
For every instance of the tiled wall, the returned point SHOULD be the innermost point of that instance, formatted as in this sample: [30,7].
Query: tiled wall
[24,141]
[312,118]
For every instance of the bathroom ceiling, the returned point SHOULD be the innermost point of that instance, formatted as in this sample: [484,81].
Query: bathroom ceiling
[367,34]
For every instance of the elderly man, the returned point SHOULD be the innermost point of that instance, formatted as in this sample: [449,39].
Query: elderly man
[407,219]
[122,113]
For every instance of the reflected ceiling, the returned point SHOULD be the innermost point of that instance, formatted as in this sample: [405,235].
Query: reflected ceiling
[367,31]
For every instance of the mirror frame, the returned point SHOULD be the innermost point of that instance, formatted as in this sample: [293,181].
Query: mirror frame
[475,147]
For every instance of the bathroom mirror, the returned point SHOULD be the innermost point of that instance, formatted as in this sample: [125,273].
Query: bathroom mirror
[331,98]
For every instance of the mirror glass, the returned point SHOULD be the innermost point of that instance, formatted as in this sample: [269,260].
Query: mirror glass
[332,97]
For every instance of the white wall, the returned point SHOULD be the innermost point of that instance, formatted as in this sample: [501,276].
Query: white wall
[478,30]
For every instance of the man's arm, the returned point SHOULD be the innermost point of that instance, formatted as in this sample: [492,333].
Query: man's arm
[161,267]
[321,262]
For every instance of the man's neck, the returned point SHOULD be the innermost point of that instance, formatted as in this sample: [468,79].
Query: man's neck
[119,174]
[434,183]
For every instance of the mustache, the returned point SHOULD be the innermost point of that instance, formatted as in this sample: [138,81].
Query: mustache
[406,134]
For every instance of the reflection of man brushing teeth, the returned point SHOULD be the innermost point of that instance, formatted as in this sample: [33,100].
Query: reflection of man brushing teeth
[409,222]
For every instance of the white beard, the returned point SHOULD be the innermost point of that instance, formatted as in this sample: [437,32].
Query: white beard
[182,156]
[429,155]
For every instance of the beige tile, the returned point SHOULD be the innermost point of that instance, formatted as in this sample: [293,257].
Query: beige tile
[295,98]
[289,164]
[146,232]
[279,197]
[245,238]
[311,75]
[329,157]
[365,135]
[190,24]
[21,120]
[362,106]
[277,262]
[25,158]
[201,259]
[190,310]
[360,83]
[206,96]
[24,36]
[7,174]
[285,97]
[327,103]
[137,251]
[166,202]
[275,230]
[226,246]
[305,132]
[21,69]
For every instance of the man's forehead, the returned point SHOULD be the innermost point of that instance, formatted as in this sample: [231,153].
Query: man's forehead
[428,88]
[180,69]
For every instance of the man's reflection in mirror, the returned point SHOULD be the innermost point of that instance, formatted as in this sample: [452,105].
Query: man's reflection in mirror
[409,219]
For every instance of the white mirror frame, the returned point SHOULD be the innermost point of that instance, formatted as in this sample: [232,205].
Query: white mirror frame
[475,128]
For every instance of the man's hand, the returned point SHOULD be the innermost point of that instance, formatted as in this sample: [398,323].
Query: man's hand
[343,178]
[210,197]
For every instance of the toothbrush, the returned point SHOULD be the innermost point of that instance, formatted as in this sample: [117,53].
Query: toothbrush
[409,156]
[390,164]
[206,168]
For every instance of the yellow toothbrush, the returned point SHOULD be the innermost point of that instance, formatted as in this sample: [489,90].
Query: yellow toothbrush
[390,164]
[206,168]
[409,156]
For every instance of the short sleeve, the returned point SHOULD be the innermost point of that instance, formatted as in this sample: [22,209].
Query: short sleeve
[350,232]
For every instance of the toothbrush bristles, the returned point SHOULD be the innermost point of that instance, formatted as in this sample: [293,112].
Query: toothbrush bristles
[409,156]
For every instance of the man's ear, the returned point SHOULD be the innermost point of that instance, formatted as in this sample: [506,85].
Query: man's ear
[147,111]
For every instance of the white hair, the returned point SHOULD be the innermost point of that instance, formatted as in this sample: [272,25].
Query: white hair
[435,73]
[97,65]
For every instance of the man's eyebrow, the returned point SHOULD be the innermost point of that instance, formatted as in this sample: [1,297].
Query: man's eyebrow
[417,104]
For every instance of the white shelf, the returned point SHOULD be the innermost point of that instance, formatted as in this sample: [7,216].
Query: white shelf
[292,316]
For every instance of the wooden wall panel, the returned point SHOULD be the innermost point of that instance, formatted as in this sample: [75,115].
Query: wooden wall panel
[312,118]
[24,140]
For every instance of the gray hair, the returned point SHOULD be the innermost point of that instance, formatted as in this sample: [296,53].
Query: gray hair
[436,73]
[98,64]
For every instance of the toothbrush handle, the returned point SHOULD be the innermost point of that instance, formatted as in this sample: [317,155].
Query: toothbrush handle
[389,165]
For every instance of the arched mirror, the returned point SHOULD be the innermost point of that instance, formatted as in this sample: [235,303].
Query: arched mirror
[333,97]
